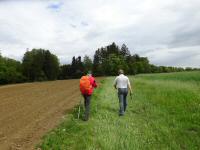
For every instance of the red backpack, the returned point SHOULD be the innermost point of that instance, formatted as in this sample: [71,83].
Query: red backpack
[85,85]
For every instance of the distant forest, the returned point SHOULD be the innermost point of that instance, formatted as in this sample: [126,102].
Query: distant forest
[42,65]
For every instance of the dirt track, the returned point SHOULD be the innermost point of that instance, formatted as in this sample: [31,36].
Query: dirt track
[28,111]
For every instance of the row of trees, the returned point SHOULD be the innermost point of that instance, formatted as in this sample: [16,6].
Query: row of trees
[77,68]
[37,65]
[10,71]
[108,60]
[41,65]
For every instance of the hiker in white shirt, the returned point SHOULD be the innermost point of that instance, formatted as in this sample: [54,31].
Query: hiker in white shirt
[122,84]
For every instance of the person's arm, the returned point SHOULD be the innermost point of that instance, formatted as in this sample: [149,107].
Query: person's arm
[129,86]
[94,84]
[115,83]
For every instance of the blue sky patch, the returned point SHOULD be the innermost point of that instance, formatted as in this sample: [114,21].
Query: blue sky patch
[55,6]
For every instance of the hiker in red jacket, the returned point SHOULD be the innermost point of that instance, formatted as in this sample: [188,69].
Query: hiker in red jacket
[87,85]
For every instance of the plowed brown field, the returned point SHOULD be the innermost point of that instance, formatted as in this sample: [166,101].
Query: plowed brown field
[28,111]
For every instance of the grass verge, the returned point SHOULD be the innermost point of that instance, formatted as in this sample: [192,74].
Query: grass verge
[164,114]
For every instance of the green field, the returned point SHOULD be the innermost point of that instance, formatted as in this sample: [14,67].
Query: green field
[163,114]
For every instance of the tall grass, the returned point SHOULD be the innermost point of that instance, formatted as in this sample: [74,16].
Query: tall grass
[163,114]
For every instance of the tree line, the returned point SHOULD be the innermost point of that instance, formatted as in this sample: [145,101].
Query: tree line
[42,65]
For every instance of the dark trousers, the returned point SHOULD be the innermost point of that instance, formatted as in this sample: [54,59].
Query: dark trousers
[122,94]
[87,106]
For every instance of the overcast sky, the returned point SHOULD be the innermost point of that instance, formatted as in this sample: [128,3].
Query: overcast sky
[167,32]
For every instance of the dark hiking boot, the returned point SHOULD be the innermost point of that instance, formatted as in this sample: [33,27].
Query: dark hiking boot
[86,118]
[121,114]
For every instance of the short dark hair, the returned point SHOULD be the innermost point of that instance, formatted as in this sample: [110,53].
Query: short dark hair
[120,71]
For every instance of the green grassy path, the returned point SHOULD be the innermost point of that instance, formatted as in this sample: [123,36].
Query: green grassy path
[164,114]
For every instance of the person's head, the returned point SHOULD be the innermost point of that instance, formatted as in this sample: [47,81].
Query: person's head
[89,73]
[121,71]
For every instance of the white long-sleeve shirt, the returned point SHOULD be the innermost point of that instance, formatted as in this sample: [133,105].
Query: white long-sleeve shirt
[122,81]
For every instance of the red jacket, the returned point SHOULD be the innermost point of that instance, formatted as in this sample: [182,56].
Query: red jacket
[93,83]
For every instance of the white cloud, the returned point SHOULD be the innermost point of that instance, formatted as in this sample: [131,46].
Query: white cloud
[183,56]
[151,28]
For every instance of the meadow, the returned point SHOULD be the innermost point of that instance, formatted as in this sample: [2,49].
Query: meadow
[163,113]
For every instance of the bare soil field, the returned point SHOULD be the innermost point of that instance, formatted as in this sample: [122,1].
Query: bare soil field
[28,111]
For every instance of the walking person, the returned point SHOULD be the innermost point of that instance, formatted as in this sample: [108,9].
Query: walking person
[122,84]
[87,85]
